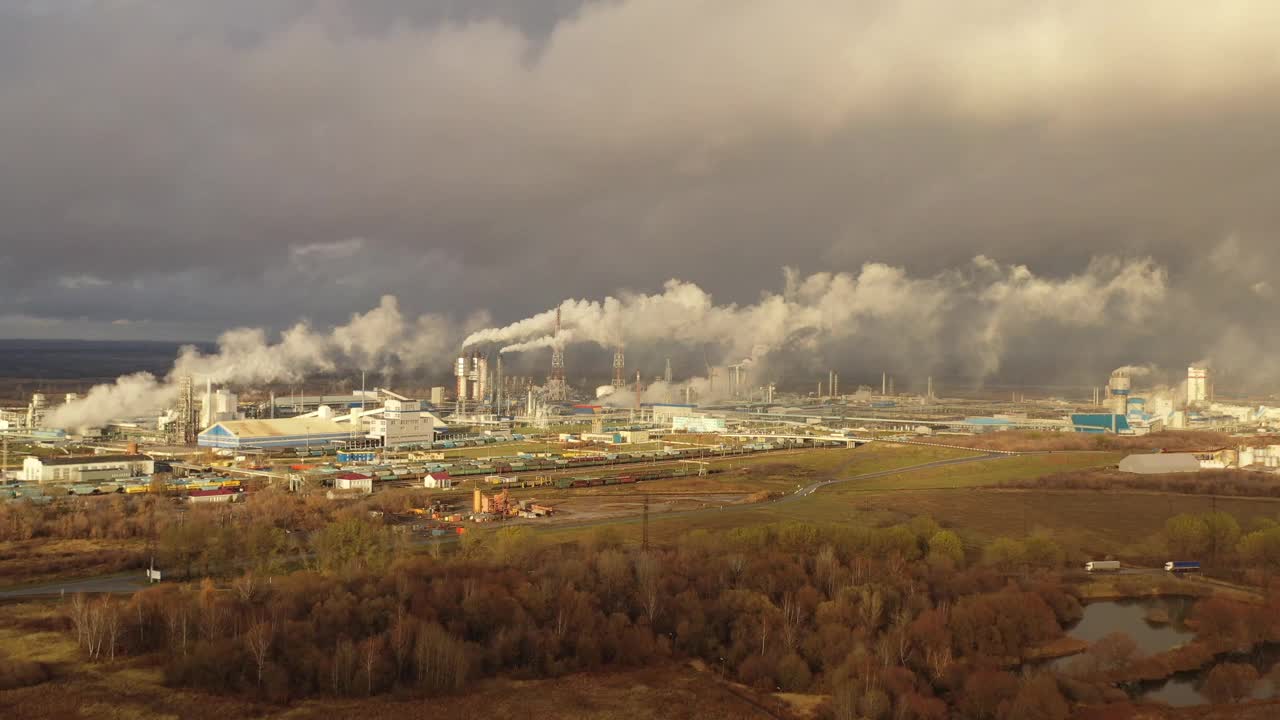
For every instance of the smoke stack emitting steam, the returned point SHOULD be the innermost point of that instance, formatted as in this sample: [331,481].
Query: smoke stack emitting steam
[380,338]
[994,300]
[990,300]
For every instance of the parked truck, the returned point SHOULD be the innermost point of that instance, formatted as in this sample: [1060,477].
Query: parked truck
[1178,566]
[1102,566]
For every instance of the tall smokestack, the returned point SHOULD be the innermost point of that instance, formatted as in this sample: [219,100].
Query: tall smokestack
[500,389]
[884,383]
[666,376]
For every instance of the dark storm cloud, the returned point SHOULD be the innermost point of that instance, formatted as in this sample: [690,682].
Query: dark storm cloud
[176,168]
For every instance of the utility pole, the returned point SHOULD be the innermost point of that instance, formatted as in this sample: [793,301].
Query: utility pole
[644,526]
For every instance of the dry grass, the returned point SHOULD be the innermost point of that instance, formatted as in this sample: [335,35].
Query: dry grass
[36,632]
[988,473]
[800,705]
[44,560]
[1124,524]
[1036,441]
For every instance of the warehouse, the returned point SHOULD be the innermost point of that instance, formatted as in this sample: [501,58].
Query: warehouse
[1157,463]
[88,468]
[282,433]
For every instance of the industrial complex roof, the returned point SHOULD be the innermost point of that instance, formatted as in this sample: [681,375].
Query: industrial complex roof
[284,427]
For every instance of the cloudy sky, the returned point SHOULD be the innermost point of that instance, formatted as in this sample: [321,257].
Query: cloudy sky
[172,168]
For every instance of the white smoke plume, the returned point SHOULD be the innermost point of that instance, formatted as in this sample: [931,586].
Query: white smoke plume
[128,396]
[381,340]
[994,301]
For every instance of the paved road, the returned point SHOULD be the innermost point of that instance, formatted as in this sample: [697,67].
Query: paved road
[121,583]
[132,582]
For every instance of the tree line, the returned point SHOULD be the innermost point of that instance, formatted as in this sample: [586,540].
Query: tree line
[891,622]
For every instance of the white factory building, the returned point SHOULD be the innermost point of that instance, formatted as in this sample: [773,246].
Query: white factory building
[300,432]
[90,468]
[218,405]
[402,422]
[398,422]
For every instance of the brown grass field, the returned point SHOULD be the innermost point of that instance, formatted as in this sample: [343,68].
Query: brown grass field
[1125,524]
[43,560]
[1035,441]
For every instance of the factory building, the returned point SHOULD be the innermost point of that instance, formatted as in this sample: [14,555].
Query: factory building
[90,468]
[403,422]
[1197,385]
[697,424]
[620,437]
[472,374]
[217,406]
[437,395]
[1101,423]
[299,432]
[663,412]
[209,497]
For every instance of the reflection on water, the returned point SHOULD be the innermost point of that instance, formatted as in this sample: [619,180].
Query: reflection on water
[1130,617]
[1184,689]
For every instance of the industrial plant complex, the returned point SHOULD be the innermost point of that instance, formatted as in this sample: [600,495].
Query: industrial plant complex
[383,433]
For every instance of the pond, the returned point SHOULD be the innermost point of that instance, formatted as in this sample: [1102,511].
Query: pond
[1131,617]
[1184,689]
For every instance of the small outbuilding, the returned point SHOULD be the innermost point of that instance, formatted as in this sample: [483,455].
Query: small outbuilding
[353,481]
[1159,463]
[437,481]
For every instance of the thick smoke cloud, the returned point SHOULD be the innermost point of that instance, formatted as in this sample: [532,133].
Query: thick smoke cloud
[173,168]
[992,304]
[382,340]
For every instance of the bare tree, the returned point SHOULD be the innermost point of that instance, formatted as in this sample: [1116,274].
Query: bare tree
[79,613]
[871,608]
[370,649]
[258,639]
[111,625]
[792,621]
[246,587]
[939,660]
[175,616]
[648,585]
[736,563]
[766,626]
[401,636]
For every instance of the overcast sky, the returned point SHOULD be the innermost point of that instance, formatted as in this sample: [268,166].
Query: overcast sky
[171,168]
